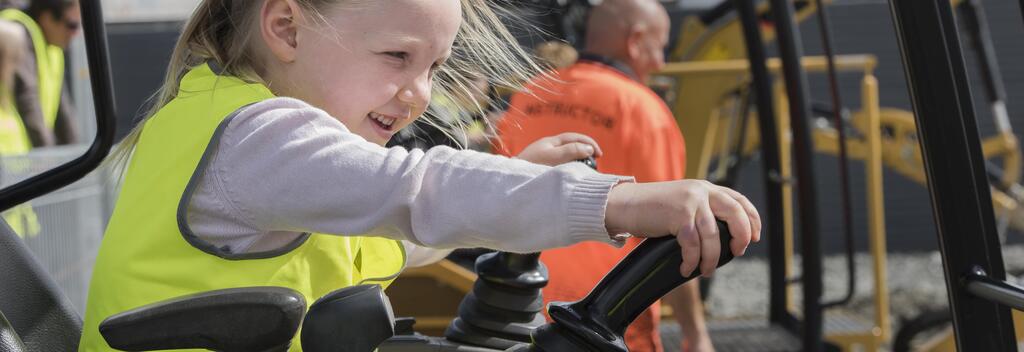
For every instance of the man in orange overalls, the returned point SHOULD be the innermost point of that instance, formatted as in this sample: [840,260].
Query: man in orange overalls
[603,96]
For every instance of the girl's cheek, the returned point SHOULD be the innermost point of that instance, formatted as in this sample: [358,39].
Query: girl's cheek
[412,120]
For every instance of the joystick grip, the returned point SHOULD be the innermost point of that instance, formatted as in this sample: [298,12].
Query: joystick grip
[598,321]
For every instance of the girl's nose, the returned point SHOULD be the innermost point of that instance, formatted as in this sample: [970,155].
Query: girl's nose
[417,94]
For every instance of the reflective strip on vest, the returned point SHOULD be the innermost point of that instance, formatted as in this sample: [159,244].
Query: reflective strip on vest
[147,254]
[49,64]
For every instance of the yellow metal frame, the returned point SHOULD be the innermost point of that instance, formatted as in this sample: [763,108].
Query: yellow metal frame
[711,67]
[896,149]
[731,75]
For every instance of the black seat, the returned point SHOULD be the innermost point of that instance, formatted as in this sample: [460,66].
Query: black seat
[42,319]
[351,319]
[9,340]
[236,319]
[33,304]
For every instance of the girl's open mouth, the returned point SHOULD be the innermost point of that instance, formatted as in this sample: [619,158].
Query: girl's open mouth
[383,122]
[384,125]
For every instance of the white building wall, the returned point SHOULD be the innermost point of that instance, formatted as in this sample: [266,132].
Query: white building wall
[147,10]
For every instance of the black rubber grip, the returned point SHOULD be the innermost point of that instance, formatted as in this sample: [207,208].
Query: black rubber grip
[598,321]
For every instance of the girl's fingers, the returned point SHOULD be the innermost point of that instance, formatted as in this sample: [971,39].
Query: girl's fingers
[729,210]
[689,241]
[710,246]
[571,152]
[570,137]
[752,214]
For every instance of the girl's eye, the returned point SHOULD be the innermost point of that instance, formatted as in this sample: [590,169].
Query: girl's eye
[401,55]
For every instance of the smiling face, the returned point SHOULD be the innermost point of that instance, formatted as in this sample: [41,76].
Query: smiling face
[372,65]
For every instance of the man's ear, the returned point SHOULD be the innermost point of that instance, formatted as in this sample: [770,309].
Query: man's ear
[279,29]
[634,41]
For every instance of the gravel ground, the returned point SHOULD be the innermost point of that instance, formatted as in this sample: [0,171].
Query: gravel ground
[740,289]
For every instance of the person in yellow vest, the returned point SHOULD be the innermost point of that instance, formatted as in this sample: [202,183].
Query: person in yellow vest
[41,97]
[13,141]
[264,163]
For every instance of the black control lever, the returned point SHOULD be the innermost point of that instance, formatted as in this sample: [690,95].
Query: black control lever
[505,305]
[589,161]
[598,321]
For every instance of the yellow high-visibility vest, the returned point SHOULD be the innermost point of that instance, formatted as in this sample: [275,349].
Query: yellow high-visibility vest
[13,142]
[49,65]
[13,135]
[149,254]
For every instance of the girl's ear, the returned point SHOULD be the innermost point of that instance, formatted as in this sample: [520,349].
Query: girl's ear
[278,28]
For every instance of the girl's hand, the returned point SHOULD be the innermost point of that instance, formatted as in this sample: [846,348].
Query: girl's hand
[560,149]
[686,209]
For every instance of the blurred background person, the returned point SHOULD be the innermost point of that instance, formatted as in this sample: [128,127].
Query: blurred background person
[40,94]
[602,95]
[13,140]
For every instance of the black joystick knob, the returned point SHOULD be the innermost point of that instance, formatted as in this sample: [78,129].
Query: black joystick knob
[589,161]
[505,304]
[598,321]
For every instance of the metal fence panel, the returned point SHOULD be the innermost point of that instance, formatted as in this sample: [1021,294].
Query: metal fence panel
[71,220]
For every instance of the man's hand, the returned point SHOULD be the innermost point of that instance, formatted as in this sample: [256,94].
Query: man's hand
[560,149]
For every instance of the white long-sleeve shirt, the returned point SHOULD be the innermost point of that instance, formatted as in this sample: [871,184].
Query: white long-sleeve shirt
[283,168]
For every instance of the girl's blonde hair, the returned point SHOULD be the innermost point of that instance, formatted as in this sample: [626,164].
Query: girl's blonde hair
[219,31]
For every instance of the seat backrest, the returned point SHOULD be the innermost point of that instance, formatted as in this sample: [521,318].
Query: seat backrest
[9,340]
[31,300]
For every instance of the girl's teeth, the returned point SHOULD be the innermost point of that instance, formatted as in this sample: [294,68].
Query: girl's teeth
[384,121]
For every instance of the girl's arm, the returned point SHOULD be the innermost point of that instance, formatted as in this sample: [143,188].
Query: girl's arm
[417,256]
[283,167]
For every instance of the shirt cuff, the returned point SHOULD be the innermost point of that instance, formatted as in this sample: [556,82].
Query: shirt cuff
[588,202]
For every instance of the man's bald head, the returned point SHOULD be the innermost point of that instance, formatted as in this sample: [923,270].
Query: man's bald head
[629,31]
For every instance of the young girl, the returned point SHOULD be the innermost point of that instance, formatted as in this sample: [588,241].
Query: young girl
[263,163]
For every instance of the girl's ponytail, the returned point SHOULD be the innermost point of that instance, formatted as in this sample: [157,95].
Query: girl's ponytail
[211,33]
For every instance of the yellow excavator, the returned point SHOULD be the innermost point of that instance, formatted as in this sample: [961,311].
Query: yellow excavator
[707,86]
